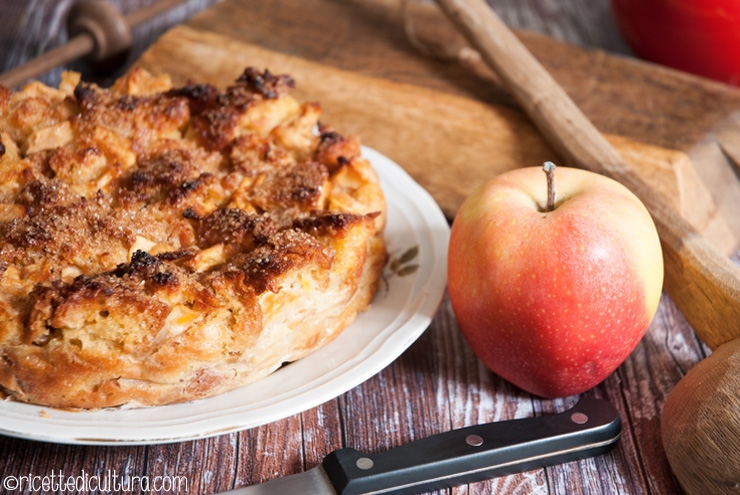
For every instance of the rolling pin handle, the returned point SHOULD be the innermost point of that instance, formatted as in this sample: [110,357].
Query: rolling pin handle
[107,27]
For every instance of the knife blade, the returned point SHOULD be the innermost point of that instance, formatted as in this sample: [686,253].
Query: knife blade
[475,453]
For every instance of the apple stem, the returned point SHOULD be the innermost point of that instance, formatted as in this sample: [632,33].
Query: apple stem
[549,168]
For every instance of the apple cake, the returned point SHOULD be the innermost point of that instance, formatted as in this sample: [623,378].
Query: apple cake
[161,244]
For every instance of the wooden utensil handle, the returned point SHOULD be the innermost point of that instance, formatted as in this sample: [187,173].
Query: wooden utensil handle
[704,284]
[96,30]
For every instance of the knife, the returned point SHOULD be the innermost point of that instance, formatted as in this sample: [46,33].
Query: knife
[592,427]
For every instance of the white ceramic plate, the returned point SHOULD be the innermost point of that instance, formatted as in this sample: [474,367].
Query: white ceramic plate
[400,312]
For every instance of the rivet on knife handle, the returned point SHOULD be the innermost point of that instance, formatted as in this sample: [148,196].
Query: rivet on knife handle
[477,453]
[704,284]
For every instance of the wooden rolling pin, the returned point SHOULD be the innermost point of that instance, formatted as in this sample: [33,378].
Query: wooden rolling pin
[704,284]
[97,31]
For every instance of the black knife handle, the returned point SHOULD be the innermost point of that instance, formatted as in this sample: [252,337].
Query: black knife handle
[479,452]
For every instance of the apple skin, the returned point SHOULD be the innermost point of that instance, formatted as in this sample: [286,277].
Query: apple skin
[554,301]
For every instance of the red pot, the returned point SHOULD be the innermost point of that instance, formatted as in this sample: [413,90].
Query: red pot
[698,36]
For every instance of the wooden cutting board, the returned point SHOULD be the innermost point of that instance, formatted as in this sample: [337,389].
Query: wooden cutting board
[452,126]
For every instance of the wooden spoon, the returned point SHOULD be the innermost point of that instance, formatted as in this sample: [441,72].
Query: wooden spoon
[703,283]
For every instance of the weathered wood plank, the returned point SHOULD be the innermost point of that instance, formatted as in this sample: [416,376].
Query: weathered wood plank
[470,394]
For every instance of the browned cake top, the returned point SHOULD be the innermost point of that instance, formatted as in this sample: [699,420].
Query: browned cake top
[122,204]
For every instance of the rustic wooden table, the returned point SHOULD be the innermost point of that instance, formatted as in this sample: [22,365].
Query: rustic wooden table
[436,385]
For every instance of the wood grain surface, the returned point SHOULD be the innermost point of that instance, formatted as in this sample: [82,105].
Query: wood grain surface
[437,384]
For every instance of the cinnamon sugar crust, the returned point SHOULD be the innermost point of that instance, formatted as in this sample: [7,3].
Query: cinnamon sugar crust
[161,244]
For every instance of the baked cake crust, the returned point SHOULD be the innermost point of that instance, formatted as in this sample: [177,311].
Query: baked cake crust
[161,244]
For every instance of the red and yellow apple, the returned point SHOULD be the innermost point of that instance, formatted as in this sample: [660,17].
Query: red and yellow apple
[554,300]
